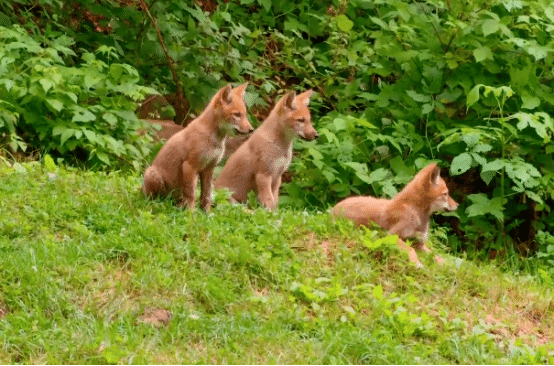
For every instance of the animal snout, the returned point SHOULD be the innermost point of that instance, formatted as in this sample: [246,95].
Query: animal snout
[245,128]
[311,136]
[451,205]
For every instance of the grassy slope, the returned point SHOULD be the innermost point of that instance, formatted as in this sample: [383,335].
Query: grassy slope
[86,264]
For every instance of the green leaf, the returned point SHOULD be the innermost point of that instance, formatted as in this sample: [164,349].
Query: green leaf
[315,154]
[461,164]
[535,197]
[479,159]
[55,104]
[487,176]
[506,90]
[49,163]
[482,206]
[427,108]
[46,84]
[530,102]
[421,98]
[361,171]
[525,119]
[378,175]
[19,168]
[363,122]
[344,23]
[481,148]
[539,52]
[471,139]
[91,136]
[339,123]
[83,115]
[66,134]
[380,23]
[522,173]
[103,157]
[58,130]
[473,95]
[116,70]
[512,4]
[110,118]
[490,26]
[378,292]
[494,165]
[482,54]
[8,83]
[266,4]
[92,78]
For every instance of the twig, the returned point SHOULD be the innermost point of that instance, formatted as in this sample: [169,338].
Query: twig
[179,90]
[435,28]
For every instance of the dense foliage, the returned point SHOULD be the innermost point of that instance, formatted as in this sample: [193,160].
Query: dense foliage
[399,83]
[87,109]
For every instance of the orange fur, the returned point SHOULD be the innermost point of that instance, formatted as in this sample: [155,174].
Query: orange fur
[259,163]
[195,151]
[408,213]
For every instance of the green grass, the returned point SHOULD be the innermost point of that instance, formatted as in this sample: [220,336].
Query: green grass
[85,260]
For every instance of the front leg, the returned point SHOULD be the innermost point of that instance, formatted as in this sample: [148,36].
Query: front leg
[265,195]
[206,185]
[275,185]
[403,230]
[190,179]
[412,255]
[420,245]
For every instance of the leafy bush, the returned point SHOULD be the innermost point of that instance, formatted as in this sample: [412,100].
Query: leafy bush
[86,110]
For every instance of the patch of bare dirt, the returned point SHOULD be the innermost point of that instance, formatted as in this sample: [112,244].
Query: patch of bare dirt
[155,317]
[518,315]
[3,310]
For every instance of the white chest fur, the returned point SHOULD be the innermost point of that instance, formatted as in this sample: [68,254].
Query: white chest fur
[282,163]
[213,154]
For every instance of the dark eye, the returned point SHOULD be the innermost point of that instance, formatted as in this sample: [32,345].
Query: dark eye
[236,114]
[301,120]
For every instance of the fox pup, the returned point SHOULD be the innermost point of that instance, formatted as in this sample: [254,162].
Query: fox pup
[259,163]
[196,150]
[407,214]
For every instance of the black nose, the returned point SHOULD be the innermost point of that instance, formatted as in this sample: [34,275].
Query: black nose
[316,135]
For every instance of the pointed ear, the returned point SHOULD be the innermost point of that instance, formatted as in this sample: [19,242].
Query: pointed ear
[305,97]
[288,100]
[225,94]
[241,89]
[435,174]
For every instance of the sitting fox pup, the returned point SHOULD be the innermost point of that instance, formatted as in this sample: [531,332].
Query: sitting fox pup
[408,213]
[197,149]
[259,163]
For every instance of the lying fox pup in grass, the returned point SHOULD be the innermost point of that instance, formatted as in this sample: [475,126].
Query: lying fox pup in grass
[197,149]
[407,214]
[259,163]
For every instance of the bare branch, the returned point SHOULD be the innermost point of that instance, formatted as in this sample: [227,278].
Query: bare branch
[179,97]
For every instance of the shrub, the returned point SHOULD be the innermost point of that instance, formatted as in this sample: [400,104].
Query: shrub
[86,110]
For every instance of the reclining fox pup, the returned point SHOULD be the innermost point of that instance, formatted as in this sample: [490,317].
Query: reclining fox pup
[407,214]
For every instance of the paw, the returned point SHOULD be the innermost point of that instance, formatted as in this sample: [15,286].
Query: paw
[439,260]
